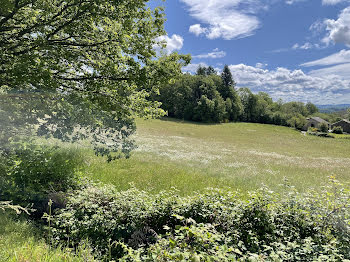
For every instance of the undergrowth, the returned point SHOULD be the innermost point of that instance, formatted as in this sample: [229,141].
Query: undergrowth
[214,226]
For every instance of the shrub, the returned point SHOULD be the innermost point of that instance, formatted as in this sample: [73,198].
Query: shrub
[337,130]
[323,127]
[297,122]
[312,130]
[33,172]
[214,226]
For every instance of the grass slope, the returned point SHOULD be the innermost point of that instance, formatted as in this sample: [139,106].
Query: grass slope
[19,242]
[192,157]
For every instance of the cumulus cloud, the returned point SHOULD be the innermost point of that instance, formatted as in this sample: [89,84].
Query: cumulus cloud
[216,53]
[175,42]
[293,85]
[338,30]
[261,65]
[227,19]
[197,29]
[338,58]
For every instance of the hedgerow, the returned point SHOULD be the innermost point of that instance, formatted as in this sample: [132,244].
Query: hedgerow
[214,226]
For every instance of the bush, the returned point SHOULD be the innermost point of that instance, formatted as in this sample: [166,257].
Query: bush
[215,226]
[29,175]
[323,127]
[297,122]
[312,130]
[337,130]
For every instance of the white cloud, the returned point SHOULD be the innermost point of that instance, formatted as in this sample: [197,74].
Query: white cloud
[192,68]
[261,65]
[172,43]
[293,85]
[338,65]
[197,29]
[338,58]
[305,46]
[216,53]
[227,19]
[339,30]
[291,2]
[342,70]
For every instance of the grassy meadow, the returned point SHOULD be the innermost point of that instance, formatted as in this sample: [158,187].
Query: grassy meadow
[192,157]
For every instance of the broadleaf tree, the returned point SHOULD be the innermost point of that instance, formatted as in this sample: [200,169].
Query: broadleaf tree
[78,69]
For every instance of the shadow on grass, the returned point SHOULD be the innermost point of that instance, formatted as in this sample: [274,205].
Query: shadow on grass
[176,120]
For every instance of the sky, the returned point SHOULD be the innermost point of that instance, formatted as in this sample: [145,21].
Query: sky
[296,50]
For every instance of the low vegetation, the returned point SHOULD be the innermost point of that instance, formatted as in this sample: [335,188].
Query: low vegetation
[193,156]
[21,241]
[215,226]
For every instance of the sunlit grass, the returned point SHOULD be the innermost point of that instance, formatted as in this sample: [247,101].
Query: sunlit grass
[192,157]
[19,242]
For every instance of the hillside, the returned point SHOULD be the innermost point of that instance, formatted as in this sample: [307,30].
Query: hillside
[192,156]
[333,108]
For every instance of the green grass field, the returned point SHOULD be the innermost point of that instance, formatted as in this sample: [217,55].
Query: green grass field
[192,157]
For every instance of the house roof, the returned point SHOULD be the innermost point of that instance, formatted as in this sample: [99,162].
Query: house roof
[344,120]
[319,119]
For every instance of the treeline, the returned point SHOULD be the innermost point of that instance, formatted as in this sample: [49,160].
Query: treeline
[209,97]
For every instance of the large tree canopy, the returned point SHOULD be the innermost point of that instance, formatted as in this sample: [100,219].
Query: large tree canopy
[75,68]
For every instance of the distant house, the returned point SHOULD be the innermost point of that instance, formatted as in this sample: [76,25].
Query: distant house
[344,124]
[315,122]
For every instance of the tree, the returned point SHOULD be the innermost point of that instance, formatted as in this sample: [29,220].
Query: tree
[201,71]
[211,71]
[79,68]
[249,102]
[227,78]
[311,108]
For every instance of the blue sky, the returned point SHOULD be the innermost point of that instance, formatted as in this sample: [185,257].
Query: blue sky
[291,49]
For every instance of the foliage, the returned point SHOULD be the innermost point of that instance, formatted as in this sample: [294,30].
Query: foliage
[337,130]
[81,69]
[206,98]
[311,108]
[320,134]
[202,98]
[227,78]
[217,225]
[197,98]
[297,122]
[36,172]
[323,127]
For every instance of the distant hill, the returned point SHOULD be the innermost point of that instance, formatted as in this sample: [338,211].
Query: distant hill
[332,108]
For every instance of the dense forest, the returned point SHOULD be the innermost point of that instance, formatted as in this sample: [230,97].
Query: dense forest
[213,98]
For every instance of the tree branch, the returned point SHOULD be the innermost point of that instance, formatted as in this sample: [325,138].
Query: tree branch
[61,42]
[84,78]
